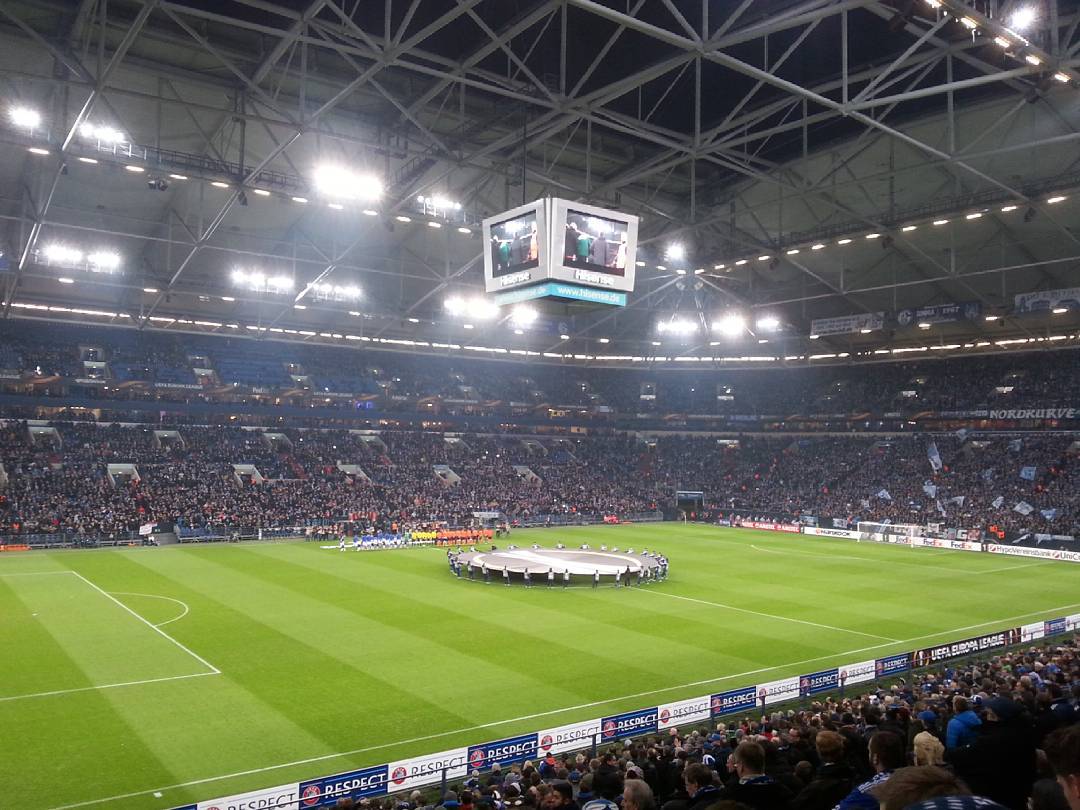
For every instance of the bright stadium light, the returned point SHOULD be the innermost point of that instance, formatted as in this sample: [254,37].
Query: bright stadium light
[104,134]
[25,118]
[104,261]
[336,292]
[62,254]
[478,309]
[1023,18]
[731,325]
[334,181]
[675,252]
[523,316]
[259,282]
[677,326]
[768,323]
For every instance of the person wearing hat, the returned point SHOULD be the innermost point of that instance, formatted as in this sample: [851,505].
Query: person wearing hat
[1001,764]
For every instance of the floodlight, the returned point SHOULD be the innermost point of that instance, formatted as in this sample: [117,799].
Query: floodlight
[262,192]
[842,242]
[814,337]
[1060,310]
[741,262]
[178,176]
[604,340]
[973,215]
[1003,42]
[909,228]
[564,337]
[1057,199]
[818,246]
[463,229]
[924,325]
[300,200]
[763,258]
[1032,59]
[768,323]
[63,254]
[1023,18]
[675,252]
[87,160]
[731,325]
[65,280]
[149,289]
[969,23]
[135,169]
[37,150]
[1061,77]
[104,261]
[25,117]
[334,181]
[523,316]
[873,235]
[941,222]
[677,326]
[219,184]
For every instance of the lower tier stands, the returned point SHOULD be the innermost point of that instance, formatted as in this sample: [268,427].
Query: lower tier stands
[106,480]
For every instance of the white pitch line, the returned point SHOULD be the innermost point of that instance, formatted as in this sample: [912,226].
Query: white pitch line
[35,573]
[152,626]
[1013,567]
[882,561]
[104,686]
[773,616]
[157,596]
[537,715]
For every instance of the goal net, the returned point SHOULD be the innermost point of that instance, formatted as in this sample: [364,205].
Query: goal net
[889,532]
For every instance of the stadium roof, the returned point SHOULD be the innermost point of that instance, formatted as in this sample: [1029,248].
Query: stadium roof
[183,141]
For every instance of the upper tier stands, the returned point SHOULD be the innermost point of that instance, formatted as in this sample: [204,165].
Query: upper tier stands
[126,364]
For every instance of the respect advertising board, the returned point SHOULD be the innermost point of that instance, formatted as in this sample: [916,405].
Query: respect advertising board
[502,752]
[892,664]
[859,672]
[629,724]
[406,774]
[569,737]
[670,715]
[357,784]
[817,682]
[282,797]
[932,655]
[778,691]
[734,700]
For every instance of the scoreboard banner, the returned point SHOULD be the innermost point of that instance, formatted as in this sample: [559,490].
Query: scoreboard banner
[406,774]
[671,715]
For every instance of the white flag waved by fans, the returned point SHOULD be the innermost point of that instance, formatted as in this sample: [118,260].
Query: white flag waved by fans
[934,456]
[884,495]
[929,489]
[998,501]
[1028,473]
[1024,508]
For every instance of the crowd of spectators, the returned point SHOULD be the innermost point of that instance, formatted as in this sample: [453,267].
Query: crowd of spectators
[892,747]
[165,362]
[59,480]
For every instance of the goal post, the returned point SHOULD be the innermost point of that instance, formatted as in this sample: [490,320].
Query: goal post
[889,532]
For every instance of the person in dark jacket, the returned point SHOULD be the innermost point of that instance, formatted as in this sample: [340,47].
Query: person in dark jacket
[886,754]
[1001,764]
[754,788]
[964,727]
[833,780]
[700,786]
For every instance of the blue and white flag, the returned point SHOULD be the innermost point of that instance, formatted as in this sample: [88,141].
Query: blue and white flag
[1049,514]
[884,495]
[988,474]
[962,434]
[1015,445]
[958,500]
[1028,473]
[929,489]
[934,456]
[1024,508]
[998,501]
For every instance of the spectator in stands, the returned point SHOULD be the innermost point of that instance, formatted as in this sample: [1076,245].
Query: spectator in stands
[637,795]
[1000,765]
[910,785]
[752,786]
[886,754]
[834,778]
[1063,753]
[963,728]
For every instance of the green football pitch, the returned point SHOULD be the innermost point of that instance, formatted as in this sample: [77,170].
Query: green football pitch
[149,678]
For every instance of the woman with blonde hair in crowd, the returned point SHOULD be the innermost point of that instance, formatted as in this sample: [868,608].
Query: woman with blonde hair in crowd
[928,749]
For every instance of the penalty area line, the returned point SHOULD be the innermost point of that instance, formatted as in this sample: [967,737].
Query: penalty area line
[551,712]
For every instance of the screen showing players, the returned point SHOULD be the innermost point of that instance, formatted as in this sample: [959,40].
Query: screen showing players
[515,245]
[595,243]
